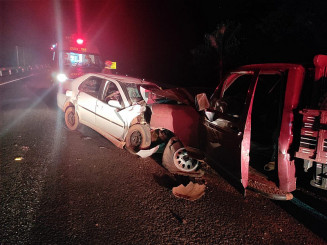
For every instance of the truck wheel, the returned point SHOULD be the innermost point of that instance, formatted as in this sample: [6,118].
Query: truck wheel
[71,118]
[175,158]
[138,137]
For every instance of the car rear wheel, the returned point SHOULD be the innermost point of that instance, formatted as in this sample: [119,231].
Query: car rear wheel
[71,118]
[138,138]
[175,158]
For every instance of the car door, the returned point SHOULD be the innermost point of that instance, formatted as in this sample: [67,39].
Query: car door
[108,118]
[223,128]
[87,98]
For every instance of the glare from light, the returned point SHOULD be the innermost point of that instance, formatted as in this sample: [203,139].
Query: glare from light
[79,41]
[61,77]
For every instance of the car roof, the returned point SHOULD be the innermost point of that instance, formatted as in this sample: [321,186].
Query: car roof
[127,79]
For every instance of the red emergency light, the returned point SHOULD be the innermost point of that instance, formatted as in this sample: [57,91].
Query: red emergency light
[80,41]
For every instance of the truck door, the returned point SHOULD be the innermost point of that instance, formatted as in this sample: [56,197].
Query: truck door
[223,129]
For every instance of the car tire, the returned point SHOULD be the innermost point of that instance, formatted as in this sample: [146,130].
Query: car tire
[175,158]
[71,118]
[138,137]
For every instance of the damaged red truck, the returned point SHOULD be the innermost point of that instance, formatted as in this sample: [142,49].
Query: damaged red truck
[267,113]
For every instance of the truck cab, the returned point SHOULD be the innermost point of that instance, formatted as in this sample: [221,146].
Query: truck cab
[73,57]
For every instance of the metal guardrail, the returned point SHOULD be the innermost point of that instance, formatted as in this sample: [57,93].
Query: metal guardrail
[7,71]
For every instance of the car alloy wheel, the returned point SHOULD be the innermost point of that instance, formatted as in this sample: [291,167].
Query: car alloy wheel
[183,161]
[71,118]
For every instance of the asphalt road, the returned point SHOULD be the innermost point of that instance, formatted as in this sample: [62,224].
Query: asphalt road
[63,187]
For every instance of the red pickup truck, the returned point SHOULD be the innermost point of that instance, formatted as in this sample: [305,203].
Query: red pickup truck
[264,123]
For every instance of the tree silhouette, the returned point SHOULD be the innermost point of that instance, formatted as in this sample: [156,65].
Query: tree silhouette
[218,53]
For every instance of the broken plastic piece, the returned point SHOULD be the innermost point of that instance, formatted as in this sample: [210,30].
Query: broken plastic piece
[25,148]
[191,192]
[202,102]
[147,153]
[19,158]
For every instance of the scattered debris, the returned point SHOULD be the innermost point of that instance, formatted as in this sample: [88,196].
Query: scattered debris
[87,138]
[147,153]
[25,148]
[102,147]
[191,192]
[19,158]
[178,218]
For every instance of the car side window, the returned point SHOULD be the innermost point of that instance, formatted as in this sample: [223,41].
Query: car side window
[112,93]
[235,95]
[91,86]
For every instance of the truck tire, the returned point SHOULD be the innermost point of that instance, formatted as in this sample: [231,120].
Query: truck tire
[138,137]
[71,118]
[175,158]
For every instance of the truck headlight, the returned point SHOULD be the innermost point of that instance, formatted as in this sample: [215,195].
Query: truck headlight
[61,77]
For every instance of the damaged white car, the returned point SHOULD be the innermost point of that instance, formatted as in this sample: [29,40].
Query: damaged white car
[134,114]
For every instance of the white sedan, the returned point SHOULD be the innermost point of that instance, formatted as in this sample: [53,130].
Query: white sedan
[134,114]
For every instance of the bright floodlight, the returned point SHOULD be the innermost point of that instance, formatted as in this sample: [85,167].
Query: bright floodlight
[61,77]
[79,41]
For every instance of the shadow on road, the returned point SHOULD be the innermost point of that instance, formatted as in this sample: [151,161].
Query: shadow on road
[309,210]
[171,181]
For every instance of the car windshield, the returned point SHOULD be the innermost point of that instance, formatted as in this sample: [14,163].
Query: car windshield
[81,60]
[151,97]
[134,91]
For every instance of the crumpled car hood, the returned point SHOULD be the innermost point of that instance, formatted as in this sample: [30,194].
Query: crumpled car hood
[178,94]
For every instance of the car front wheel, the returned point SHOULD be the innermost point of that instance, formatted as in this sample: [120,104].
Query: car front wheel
[175,158]
[71,118]
[138,138]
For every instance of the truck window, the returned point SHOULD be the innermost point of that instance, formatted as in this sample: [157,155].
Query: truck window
[235,94]
[266,107]
[80,60]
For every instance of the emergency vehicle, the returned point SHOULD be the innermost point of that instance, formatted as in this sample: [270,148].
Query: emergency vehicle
[73,57]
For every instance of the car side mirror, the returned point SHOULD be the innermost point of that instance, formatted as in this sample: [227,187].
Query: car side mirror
[201,102]
[115,103]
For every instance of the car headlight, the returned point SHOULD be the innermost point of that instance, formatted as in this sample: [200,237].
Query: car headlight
[61,77]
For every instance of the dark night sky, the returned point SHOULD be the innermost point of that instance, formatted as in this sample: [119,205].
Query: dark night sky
[155,39]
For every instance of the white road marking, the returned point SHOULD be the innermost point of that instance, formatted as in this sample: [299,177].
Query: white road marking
[11,81]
